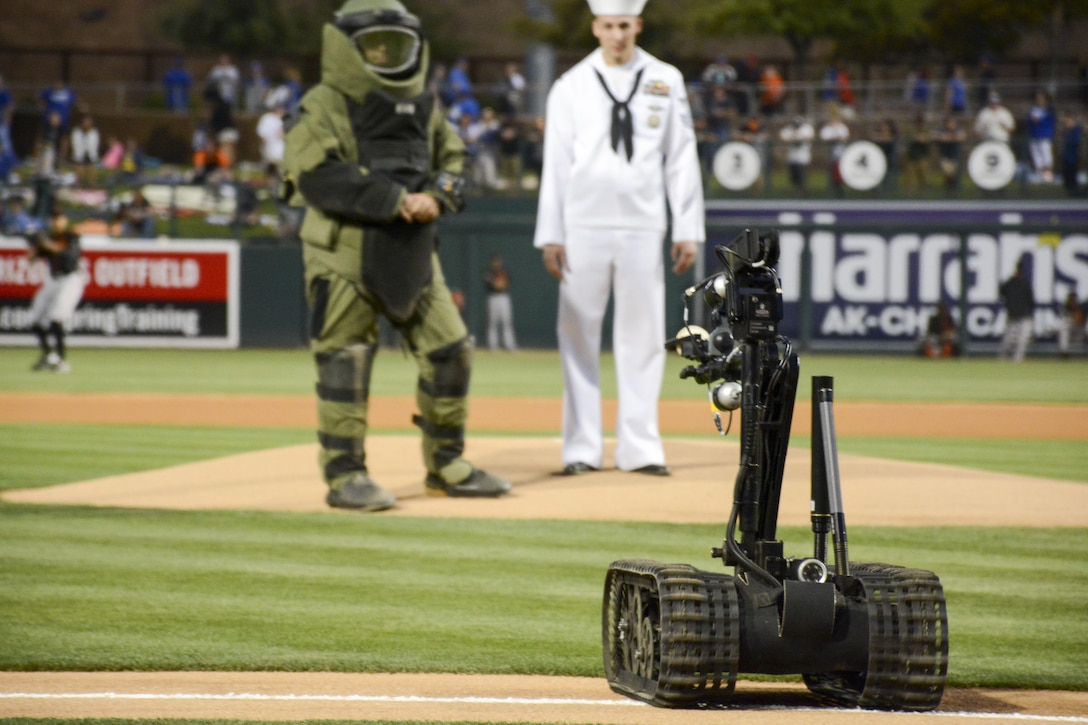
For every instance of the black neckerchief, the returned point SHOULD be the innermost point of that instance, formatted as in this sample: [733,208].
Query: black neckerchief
[622,127]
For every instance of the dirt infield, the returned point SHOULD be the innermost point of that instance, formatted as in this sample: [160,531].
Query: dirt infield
[874,493]
[470,698]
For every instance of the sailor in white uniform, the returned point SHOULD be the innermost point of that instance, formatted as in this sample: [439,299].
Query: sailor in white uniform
[618,144]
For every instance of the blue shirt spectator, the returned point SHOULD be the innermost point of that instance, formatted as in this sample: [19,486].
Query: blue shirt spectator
[458,81]
[1042,127]
[288,92]
[293,81]
[1041,121]
[955,93]
[919,92]
[59,99]
[8,159]
[16,220]
[466,105]
[176,83]
[830,89]
[7,107]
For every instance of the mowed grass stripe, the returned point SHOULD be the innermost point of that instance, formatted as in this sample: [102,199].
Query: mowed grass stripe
[109,589]
[536,373]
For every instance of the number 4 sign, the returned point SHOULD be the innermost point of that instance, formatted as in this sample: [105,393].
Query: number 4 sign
[862,165]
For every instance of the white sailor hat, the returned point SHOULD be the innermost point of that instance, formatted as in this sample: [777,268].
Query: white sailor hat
[617,7]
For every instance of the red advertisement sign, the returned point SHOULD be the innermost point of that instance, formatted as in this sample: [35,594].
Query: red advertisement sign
[182,294]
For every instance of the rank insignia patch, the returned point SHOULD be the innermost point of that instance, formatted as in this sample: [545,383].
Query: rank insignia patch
[656,88]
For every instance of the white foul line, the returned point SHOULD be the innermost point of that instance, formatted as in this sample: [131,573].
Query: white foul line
[521,701]
[311,698]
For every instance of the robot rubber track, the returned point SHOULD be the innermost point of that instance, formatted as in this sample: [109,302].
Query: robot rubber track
[674,636]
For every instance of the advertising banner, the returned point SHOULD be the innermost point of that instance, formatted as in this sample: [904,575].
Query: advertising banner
[868,281]
[138,294]
[874,287]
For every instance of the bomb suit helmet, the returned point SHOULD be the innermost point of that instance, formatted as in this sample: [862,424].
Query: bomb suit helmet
[387,36]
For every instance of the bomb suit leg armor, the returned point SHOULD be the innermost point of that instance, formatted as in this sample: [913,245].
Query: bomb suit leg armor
[344,342]
[439,341]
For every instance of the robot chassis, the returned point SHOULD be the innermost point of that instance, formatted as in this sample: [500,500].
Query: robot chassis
[861,634]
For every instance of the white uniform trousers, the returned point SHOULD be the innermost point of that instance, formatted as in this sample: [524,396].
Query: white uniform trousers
[500,321]
[1016,338]
[56,300]
[630,264]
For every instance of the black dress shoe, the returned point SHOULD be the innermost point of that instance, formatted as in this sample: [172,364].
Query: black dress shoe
[577,469]
[654,469]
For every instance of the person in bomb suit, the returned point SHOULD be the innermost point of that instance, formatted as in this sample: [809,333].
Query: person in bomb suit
[619,142]
[375,163]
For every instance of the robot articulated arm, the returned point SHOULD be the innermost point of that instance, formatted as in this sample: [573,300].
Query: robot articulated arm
[747,365]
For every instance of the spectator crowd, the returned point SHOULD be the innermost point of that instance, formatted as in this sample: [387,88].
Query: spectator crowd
[925,134]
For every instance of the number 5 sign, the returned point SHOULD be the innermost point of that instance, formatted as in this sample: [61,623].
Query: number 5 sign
[737,165]
[862,165]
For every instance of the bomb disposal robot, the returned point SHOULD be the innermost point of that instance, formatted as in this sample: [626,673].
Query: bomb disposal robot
[861,634]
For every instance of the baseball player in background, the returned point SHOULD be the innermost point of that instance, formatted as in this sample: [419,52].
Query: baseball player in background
[619,144]
[375,163]
[56,300]
[500,307]
[1018,296]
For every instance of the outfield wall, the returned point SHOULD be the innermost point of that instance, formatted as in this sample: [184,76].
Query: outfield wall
[861,276]
[855,276]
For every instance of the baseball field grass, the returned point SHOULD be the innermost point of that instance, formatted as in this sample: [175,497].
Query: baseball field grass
[532,373]
[34,455]
[85,588]
[117,589]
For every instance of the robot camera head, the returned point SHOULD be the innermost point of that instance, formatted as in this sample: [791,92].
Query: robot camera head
[750,249]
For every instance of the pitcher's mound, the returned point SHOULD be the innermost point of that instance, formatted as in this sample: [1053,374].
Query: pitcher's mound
[876,492]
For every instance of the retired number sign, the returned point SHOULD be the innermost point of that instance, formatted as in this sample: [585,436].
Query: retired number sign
[737,165]
[991,165]
[863,165]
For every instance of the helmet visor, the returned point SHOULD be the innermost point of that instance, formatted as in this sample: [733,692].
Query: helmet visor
[388,49]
